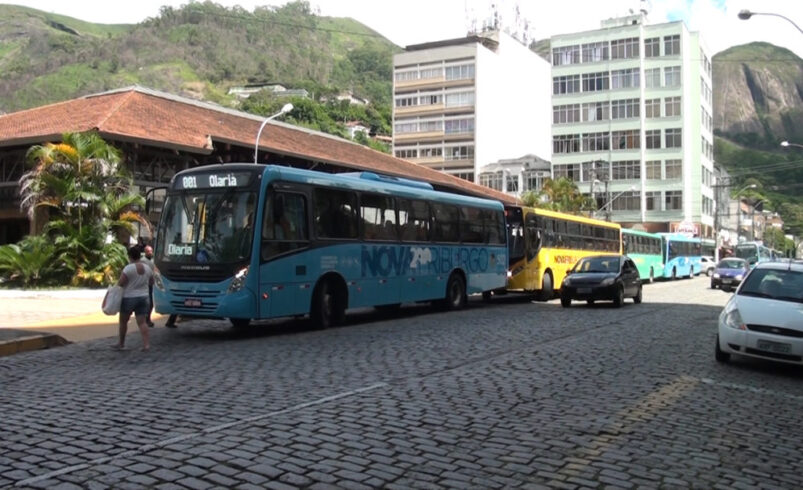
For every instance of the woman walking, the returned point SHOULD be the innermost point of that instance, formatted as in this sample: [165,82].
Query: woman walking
[135,281]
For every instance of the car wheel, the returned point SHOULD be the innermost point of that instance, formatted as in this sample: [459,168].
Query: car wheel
[620,297]
[565,302]
[719,355]
[709,272]
[713,286]
[637,297]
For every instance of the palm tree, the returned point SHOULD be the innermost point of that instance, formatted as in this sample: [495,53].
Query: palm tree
[559,195]
[82,189]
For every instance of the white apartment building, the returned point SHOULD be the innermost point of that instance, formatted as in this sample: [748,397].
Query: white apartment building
[462,104]
[632,122]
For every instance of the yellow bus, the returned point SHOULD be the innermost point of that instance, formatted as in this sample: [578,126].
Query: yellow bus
[544,244]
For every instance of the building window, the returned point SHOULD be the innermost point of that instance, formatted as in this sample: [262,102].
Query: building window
[672,106]
[566,143]
[626,140]
[463,152]
[626,170]
[627,201]
[405,127]
[653,169]
[652,108]
[596,170]
[534,179]
[458,99]
[430,152]
[672,76]
[624,109]
[562,114]
[406,101]
[492,180]
[673,169]
[653,200]
[456,126]
[460,72]
[430,99]
[407,153]
[596,111]
[406,76]
[571,171]
[596,141]
[628,78]
[625,48]
[652,139]
[673,138]
[652,78]
[594,52]
[566,55]
[469,176]
[569,84]
[671,45]
[593,82]
[673,200]
[652,47]
[429,73]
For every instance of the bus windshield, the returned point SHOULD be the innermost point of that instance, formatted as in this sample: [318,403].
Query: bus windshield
[515,230]
[214,227]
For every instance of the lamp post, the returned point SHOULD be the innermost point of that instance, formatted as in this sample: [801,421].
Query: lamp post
[607,204]
[285,109]
[746,14]
[739,209]
[787,144]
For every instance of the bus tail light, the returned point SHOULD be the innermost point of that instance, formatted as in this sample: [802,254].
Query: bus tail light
[239,280]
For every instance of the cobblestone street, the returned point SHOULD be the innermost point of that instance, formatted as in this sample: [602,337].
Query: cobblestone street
[507,394]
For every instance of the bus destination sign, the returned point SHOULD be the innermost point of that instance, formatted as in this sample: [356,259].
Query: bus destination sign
[213,181]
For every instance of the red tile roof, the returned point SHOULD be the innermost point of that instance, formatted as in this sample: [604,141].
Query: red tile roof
[163,120]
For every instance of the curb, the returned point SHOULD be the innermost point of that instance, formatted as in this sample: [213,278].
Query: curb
[31,342]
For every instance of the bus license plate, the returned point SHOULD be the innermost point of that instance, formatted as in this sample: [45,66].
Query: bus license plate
[192,302]
[776,347]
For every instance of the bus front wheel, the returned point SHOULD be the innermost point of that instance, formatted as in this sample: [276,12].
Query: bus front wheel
[328,308]
[240,322]
[547,290]
[674,273]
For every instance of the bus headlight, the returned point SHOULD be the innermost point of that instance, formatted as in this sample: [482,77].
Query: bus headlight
[239,280]
[157,279]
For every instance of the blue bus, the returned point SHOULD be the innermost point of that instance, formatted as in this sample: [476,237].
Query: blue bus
[248,241]
[646,250]
[753,252]
[681,255]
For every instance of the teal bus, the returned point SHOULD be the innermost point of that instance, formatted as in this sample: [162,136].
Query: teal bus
[646,251]
[753,252]
[248,242]
[681,255]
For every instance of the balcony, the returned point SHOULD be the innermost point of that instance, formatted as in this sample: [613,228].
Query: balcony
[420,110]
[430,83]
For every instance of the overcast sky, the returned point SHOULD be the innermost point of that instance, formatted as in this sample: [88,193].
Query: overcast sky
[407,22]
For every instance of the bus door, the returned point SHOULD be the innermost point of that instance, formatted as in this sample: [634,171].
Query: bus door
[532,245]
[284,275]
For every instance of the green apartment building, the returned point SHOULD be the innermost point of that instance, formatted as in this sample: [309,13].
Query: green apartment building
[632,123]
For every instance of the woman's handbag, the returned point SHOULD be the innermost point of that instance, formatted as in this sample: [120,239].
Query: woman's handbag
[112,300]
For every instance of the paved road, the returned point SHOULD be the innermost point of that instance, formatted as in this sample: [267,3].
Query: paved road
[503,395]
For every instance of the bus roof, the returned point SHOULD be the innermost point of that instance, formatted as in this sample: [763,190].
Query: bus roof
[568,216]
[631,231]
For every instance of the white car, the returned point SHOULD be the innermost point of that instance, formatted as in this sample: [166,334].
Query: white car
[764,318]
[708,265]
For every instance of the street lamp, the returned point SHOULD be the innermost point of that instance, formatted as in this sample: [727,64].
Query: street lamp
[787,144]
[746,14]
[285,109]
[607,204]
[739,210]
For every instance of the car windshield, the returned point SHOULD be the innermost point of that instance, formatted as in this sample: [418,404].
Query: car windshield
[598,264]
[731,264]
[782,285]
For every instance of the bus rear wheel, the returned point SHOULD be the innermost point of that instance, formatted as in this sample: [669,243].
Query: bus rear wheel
[327,308]
[455,293]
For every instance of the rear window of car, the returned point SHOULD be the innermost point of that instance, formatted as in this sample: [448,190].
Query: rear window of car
[782,285]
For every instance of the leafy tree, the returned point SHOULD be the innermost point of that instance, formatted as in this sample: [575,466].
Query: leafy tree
[31,263]
[86,194]
[559,195]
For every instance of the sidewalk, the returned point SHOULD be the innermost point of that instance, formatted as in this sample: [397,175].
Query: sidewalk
[41,319]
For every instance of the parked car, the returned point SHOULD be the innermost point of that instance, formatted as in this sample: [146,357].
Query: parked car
[602,277]
[762,319]
[708,265]
[728,273]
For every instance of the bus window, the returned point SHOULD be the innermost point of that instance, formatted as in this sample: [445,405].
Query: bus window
[378,215]
[414,220]
[446,223]
[285,225]
[494,226]
[471,225]
[335,213]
